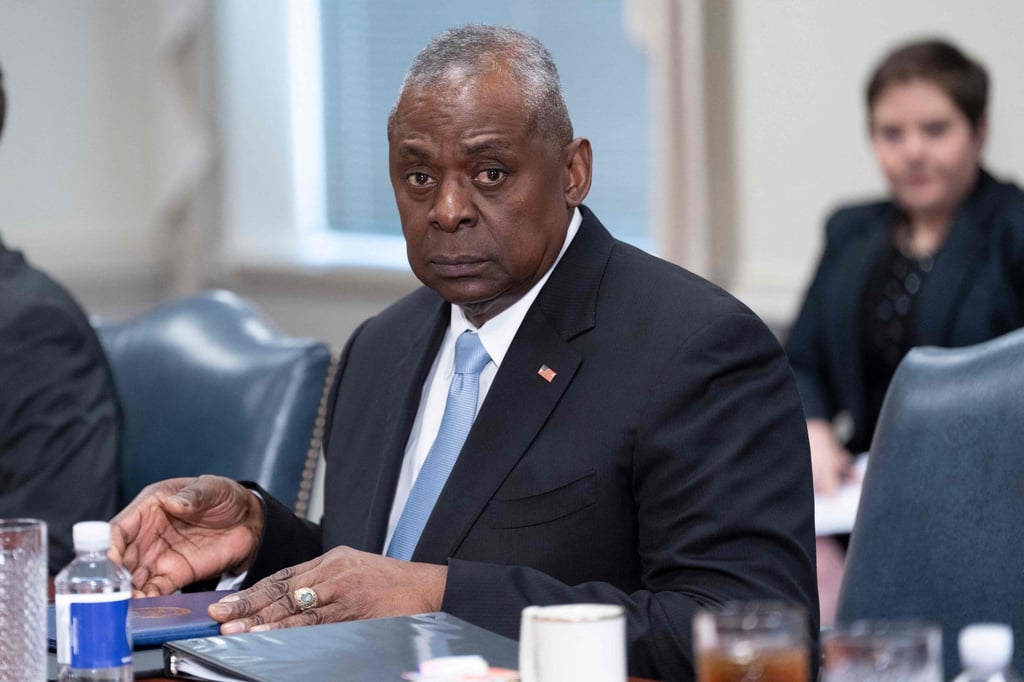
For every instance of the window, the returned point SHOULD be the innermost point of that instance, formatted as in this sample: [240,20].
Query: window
[368,45]
[306,87]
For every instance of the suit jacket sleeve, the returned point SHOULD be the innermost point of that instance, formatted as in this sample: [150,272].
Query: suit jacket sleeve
[1014,253]
[732,522]
[288,540]
[58,421]
[807,345]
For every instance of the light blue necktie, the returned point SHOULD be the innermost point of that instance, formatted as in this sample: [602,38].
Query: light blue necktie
[459,412]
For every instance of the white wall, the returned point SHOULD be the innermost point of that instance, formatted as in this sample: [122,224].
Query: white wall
[79,170]
[799,71]
[79,160]
[77,189]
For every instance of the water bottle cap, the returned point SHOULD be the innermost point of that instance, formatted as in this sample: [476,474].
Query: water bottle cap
[91,535]
[986,647]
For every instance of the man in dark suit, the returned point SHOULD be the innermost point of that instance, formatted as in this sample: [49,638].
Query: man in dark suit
[639,439]
[58,413]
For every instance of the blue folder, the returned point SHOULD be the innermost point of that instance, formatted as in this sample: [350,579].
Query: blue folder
[155,620]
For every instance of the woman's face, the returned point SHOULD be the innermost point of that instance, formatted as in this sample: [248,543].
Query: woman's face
[926,147]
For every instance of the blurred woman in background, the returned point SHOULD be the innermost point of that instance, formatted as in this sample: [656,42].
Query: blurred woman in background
[939,262]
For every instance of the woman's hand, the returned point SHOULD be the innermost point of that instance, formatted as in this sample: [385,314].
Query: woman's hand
[831,463]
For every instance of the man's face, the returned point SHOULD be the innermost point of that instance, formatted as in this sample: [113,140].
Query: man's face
[484,198]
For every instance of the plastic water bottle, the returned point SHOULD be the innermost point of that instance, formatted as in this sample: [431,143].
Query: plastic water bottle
[91,595]
[985,653]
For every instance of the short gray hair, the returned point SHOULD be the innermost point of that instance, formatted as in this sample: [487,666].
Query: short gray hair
[470,51]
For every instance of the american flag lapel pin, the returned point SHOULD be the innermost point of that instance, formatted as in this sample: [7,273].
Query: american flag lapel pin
[546,373]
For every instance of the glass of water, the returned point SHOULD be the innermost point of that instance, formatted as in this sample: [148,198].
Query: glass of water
[22,600]
[883,651]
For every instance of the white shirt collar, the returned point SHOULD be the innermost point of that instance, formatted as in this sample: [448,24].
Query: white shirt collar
[497,334]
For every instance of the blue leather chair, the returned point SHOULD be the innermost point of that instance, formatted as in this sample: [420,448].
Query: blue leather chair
[207,387]
[938,534]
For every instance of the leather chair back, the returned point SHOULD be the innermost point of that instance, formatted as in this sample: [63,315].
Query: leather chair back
[938,534]
[206,386]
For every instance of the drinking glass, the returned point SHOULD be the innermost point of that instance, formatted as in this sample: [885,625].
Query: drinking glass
[883,651]
[22,600]
[758,641]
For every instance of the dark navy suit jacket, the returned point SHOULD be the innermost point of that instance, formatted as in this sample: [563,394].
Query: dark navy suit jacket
[974,292]
[59,420]
[663,468]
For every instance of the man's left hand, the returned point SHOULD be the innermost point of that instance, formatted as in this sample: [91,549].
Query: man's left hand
[349,585]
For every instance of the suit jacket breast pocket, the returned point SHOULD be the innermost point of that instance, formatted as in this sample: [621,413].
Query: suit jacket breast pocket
[543,507]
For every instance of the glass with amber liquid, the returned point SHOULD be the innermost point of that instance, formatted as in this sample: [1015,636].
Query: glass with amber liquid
[883,651]
[752,641]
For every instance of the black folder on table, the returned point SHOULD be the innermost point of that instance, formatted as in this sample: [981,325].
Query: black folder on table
[356,651]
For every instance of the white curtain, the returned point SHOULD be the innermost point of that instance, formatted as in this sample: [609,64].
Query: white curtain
[187,158]
[672,31]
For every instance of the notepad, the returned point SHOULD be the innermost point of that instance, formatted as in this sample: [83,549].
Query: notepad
[835,514]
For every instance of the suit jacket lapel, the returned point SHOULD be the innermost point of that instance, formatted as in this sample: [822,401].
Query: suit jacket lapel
[407,375]
[956,263]
[843,309]
[520,400]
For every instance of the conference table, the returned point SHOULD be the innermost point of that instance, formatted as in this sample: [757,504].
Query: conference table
[149,666]
[178,679]
[148,661]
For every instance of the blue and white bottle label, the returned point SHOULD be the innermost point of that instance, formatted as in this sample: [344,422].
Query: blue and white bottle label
[92,630]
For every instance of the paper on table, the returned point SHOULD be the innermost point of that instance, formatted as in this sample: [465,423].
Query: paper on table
[835,514]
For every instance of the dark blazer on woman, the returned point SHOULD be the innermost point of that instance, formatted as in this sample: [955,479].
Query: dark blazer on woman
[663,467]
[974,292]
[59,420]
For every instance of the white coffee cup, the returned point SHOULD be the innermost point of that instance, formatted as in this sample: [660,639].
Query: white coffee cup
[573,642]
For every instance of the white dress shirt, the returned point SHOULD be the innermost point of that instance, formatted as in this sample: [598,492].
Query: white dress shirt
[496,336]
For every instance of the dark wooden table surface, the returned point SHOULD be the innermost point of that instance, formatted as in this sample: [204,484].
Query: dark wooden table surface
[178,679]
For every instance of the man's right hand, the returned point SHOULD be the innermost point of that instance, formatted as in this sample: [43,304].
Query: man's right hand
[831,463]
[182,530]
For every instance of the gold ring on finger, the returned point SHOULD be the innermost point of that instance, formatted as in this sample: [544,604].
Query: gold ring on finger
[305,598]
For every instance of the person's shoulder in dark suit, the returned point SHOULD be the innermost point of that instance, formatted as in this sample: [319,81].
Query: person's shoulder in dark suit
[659,288]
[59,417]
[852,220]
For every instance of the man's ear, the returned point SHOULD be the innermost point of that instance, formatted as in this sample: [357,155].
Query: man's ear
[578,159]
